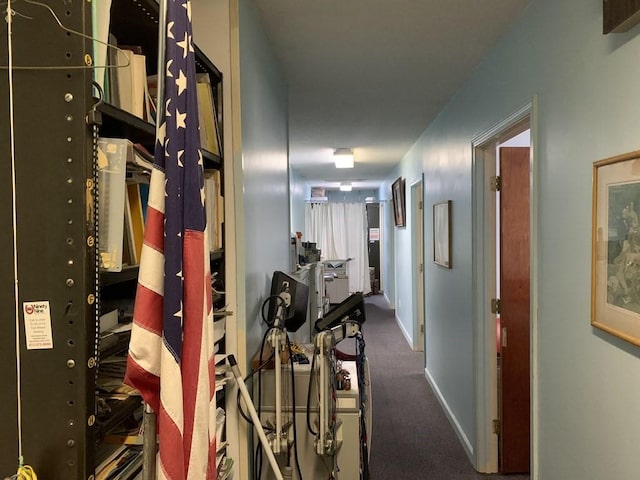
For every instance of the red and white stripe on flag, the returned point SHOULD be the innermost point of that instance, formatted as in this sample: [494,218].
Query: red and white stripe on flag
[171,358]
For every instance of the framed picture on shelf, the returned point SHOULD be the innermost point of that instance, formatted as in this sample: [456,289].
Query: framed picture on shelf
[442,234]
[615,247]
[398,198]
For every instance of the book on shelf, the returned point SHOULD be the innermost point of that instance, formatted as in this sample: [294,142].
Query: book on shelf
[106,453]
[207,118]
[131,82]
[219,207]
[214,206]
[225,466]
[124,173]
[220,423]
[152,88]
[131,470]
[100,22]
[137,220]
[210,199]
[129,251]
[219,328]
[122,465]
[126,436]
[108,321]
[111,92]
[142,157]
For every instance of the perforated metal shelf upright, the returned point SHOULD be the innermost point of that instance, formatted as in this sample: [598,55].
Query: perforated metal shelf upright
[47,398]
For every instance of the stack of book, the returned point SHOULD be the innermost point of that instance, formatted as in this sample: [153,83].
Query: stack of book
[118,462]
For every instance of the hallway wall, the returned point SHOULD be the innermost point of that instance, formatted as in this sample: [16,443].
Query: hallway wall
[299,192]
[587,89]
[264,162]
[257,194]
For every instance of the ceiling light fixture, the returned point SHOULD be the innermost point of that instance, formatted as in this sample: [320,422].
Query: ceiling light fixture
[345,187]
[343,157]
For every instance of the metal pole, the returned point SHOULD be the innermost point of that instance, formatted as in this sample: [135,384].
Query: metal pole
[149,439]
[162,50]
[149,444]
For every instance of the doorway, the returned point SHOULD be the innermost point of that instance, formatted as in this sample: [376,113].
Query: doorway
[512,309]
[373,241]
[504,219]
[417,235]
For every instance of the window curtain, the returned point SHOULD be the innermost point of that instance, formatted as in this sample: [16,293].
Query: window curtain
[340,232]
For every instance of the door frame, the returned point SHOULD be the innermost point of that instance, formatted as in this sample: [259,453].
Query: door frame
[484,285]
[417,255]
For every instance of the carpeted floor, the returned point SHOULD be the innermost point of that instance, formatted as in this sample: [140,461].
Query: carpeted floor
[411,438]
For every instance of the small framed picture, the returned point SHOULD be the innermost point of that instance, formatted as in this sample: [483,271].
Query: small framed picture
[442,234]
[398,199]
[615,247]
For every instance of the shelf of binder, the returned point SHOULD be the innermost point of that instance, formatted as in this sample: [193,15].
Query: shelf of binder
[121,204]
[124,172]
[117,122]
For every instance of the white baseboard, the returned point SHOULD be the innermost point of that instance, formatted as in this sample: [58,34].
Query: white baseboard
[388,299]
[407,337]
[466,444]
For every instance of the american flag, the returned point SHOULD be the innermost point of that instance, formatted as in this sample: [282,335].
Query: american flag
[171,359]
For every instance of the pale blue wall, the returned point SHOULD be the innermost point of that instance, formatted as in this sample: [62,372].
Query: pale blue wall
[265,179]
[299,192]
[397,247]
[587,92]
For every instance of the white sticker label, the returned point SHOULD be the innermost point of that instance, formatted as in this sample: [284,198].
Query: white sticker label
[37,325]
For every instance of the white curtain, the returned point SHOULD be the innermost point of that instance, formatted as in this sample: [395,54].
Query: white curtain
[340,232]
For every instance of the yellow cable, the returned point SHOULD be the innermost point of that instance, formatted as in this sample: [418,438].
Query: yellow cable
[25,472]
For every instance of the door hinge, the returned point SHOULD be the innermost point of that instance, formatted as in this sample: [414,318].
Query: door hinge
[495,184]
[496,426]
[495,306]
[420,205]
[421,268]
[422,328]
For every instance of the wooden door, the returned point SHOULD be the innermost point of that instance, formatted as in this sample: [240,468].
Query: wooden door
[515,310]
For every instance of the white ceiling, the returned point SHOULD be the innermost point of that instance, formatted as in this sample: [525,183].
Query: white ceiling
[372,74]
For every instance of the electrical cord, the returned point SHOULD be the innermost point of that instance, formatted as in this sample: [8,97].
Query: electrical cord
[257,463]
[293,402]
[238,397]
[25,472]
[248,377]
[311,375]
[271,322]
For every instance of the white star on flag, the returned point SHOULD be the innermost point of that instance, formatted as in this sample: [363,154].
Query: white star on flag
[181,120]
[184,45]
[181,82]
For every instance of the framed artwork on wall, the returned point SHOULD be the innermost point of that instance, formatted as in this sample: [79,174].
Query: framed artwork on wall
[615,247]
[442,234]
[398,199]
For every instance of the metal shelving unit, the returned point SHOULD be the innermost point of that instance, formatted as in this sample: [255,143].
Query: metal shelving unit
[56,229]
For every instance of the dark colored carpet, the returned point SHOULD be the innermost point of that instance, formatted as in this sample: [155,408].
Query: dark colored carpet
[411,438]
